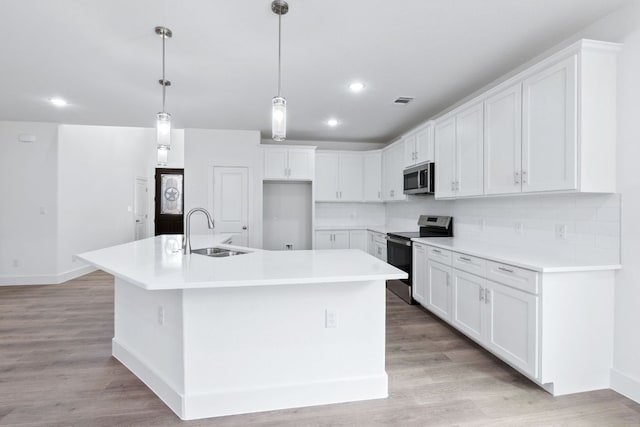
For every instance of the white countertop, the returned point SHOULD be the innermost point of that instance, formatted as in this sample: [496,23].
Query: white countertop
[529,259]
[157,263]
[377,228]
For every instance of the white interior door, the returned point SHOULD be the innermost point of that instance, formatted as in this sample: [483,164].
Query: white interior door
[230,202]
[141,208]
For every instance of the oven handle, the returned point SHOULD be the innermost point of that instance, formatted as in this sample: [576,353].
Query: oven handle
[399,242]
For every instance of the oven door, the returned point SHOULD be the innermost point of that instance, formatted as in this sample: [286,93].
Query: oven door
[399,254]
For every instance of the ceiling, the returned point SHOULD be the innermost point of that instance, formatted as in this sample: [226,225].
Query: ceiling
[104,58]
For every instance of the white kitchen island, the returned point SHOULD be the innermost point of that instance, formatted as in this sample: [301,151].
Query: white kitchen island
[254,332]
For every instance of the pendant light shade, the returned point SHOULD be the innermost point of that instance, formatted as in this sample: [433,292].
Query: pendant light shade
[163,119]
[279,104]
[279,119]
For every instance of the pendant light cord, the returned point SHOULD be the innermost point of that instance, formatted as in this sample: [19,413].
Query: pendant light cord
[279,49]
[164,82]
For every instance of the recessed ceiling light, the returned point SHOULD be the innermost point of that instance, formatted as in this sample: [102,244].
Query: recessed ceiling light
[332,122]
[58,102]
[356,86]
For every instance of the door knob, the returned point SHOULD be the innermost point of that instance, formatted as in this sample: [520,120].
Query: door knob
[244,227]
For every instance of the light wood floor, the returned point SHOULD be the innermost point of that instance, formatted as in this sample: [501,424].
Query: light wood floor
[56,369]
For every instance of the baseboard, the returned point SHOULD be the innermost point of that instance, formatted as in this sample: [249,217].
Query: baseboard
[221,402]
[46,279]
[166,392]
[625,385]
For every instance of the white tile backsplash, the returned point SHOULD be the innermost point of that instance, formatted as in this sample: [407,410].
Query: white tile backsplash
[349,214]
[592,221]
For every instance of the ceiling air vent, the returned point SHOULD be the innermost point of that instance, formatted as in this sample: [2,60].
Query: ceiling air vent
[403,100]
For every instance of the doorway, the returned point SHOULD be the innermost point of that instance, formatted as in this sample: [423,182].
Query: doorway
[141,208]
[169,201]
[231,202]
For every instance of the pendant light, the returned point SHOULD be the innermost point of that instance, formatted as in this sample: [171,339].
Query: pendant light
[279,104]
[163,119]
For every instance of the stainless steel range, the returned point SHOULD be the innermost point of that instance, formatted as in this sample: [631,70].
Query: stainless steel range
[399,250]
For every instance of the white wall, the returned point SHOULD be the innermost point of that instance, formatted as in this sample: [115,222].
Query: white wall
[349,214]
[287,215]
[97,168]
[28,235]
[206,148]
[330,145]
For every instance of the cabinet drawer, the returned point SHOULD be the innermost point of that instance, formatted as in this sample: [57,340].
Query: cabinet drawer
[441,255]
[468,263]
[515,277]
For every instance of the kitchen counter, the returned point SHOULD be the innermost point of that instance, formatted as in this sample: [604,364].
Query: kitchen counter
[524,258]
[376,228]
[158,263]
[261,331]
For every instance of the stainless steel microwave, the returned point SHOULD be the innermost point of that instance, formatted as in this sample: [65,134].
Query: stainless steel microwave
[420,179]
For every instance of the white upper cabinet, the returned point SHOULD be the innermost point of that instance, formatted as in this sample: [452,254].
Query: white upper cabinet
[351,177]
[301,163]
[469,149]
[288,163]
[327,179]
[445,150]
[503,141]
[418,146]
[372,176]
[392,168]
[339,176]
[549,143]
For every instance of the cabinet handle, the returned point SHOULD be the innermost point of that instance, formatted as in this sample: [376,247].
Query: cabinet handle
[481,294]
[457,185]
[378,194]
[341,194]
[506,270]
[448,280]
[393,192]
[524,177]
[465,259]
[516,178]
[337,197]
[486,296]
[436,251]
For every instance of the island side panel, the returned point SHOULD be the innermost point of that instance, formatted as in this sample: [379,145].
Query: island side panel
[261,348]
[148,338]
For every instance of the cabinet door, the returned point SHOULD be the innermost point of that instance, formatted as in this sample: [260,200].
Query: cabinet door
[469,149]
[397,177]
[326,182]
[340,240]
[445,153]
[371,243]
[350,185]
[324,239]
[275,163]
[468,303]
[381,250]
[409,151]
[419,279]
[372,176]
[438,297]
[503,141]
[549,123]
[387,174]
[358,239]
[424,144]
[301,163]
[512,325]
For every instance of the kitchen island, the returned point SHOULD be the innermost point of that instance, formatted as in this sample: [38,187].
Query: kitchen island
[254,332]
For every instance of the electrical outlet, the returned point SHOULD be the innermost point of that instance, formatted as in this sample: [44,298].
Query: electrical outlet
[16,263]
[519,228]
[43,211]
[288,246]
[161,315]
[330,319]
[561,232]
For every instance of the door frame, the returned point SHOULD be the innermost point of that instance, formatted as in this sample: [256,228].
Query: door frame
[150,217]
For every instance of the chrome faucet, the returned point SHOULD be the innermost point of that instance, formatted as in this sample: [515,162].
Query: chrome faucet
[186,240]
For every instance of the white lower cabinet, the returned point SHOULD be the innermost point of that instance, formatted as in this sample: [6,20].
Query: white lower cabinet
[377,245]
[501,318]
[331,239]
[358,239]
[438,296]
[512,325]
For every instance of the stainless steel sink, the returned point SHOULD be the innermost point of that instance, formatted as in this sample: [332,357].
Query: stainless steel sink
[218,252]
